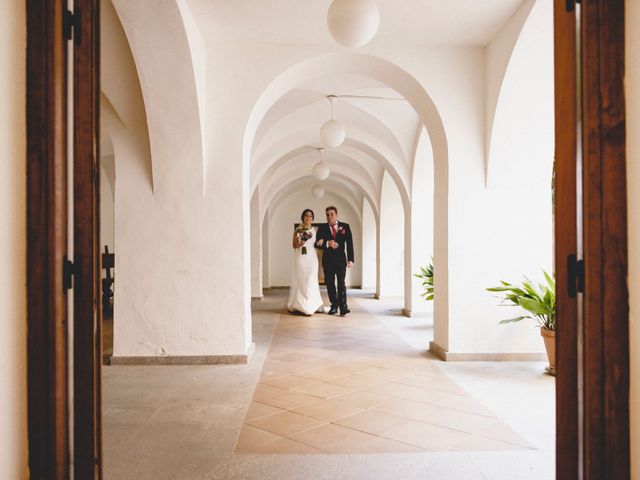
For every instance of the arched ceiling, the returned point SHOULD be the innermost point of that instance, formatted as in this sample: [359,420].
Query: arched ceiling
[406,22]
[381,135]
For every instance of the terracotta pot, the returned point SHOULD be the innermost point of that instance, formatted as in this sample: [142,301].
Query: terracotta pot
[549,337]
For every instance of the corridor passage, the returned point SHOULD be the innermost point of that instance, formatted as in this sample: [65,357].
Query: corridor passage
[330,398]
[349,384]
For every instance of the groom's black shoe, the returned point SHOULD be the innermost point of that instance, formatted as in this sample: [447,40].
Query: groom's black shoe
[343,311]
[333,310]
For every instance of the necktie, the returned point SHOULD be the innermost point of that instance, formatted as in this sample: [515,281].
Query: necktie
[333,231]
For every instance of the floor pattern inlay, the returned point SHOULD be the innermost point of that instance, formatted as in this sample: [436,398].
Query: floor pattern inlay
[350,385]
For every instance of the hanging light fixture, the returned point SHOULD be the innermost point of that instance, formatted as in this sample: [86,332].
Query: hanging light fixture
[317,191]
[353,23]
[333,132]
[321,170]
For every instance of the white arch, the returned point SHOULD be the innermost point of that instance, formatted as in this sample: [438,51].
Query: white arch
[407,86]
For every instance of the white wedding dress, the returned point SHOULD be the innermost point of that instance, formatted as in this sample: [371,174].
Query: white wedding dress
[304,294]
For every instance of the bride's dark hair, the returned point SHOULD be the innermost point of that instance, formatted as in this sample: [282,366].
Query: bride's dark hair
[304,213]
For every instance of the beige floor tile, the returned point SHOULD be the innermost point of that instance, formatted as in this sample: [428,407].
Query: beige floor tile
[292,357]
[501,432]
[424,381]
[329,410]
[286,423]
[259,410]
[436,415]
[384,445]
[324,390]
[356,381]
[424,435]
[322,374]
[364,399]
[286,445]
[475,443]
[380,373]
[457,402]
[449,387]
[400,390]
[333,438]
[407,409]
[288,382]
[254,440]
[373,422]
[280,398]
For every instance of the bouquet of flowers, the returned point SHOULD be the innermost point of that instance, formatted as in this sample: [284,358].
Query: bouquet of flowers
[304,234]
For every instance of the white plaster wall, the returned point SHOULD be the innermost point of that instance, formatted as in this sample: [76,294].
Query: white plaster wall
[107,203]
[391,240]
[498,54]
[256,246]
[209,270]
[422,220]
[281,221]
[368,255]
[183,270]
[502,229]
[13,332]
[632,86]
[266,282]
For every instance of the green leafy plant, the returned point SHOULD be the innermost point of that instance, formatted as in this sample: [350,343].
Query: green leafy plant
[539,301]
[426,275]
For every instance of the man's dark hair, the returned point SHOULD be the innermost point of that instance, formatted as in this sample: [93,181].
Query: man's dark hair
[304,212]
[331,207]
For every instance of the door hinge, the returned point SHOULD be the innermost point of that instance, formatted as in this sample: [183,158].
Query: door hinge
[571,5]
[68,271]
[72,25]
[575,275]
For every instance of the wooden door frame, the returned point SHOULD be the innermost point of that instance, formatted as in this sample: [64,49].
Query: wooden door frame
[46,241]
[566,241]
[606,366]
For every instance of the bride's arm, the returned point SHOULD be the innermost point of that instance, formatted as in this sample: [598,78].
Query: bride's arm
[297,243]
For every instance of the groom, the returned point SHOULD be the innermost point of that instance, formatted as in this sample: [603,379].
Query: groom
[332,238]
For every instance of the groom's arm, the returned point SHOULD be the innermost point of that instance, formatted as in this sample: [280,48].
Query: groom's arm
[320,240]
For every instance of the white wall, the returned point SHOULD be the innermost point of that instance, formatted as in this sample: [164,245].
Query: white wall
[422,220]
[281,221]
[369,241]
[391,240]
[266,282]
[13,332]
[632,85]
[107,203]
[209,277]
[501,229]
[256,246]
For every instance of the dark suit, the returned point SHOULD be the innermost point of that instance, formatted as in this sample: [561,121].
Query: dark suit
[334,262]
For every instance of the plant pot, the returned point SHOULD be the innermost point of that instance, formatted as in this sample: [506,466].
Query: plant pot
[549,337]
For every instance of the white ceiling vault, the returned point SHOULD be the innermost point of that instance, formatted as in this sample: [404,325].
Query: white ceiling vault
[383,127]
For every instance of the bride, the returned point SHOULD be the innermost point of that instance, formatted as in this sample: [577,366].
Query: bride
[304,295]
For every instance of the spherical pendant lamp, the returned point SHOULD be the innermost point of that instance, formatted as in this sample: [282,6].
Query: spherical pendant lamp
[333,134]
[317,191]
[321,170]
[353,23]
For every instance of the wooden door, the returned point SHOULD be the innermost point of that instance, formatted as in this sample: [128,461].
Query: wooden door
[566,241]
[87,348]
[47,315]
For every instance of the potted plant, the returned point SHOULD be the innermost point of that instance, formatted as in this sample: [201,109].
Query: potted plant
[426,275]
[540,303]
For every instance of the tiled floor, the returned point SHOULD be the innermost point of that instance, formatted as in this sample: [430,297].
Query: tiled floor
[351,385]
[329,392]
